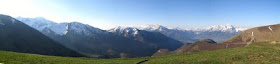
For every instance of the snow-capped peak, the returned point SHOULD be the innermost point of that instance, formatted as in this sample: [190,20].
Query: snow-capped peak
[151,27]
[125,30]
[60,29]
[221,28]
[240,29]
[84,28]
[38,23]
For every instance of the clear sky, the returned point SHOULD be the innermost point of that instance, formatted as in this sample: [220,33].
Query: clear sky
[106,14]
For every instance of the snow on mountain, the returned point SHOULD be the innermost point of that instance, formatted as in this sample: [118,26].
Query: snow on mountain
[218,33]
[83,28]
[127,31]
[222,28]
[151,27]
[152,38]
[40,24]
[93,41]
[239,29]
[60,29]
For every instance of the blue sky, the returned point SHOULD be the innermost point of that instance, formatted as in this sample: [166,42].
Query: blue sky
[106,14]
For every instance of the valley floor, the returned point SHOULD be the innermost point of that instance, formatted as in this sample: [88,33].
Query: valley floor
[257,53]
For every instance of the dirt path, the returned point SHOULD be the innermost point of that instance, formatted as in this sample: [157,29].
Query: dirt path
[142,61]
[252,39]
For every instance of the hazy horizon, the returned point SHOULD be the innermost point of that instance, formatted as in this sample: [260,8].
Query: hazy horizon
[106,14]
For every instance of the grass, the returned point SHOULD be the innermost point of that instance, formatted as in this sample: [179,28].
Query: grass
[256,53]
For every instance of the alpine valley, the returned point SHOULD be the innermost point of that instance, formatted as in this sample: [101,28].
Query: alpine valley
[38,40]
[139,41]
[139,32]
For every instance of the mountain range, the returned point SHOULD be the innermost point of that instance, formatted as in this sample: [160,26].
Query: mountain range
[258,34]
[263,34]
[136,41]
[152,38]
[254,44]
[218,33]
[18,37]
[95,42]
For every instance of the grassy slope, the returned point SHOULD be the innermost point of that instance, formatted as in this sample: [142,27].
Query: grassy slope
[255,53]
